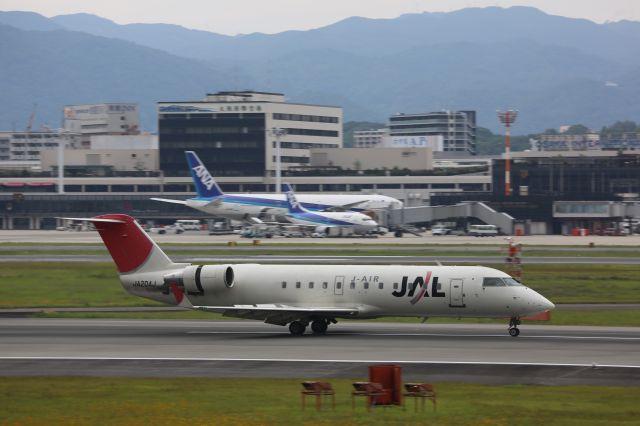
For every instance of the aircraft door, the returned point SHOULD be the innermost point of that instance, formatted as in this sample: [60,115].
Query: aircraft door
[456,295]
[338,286]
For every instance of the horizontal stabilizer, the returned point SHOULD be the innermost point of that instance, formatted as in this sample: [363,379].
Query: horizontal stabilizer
[166,200]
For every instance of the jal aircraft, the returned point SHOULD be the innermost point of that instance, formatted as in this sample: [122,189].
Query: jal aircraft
[359,222]
[210,199]
[299,295]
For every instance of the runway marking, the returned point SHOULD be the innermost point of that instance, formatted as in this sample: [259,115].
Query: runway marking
[301,360]
[431,335]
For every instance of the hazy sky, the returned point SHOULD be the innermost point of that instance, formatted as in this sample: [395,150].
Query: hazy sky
[271,16]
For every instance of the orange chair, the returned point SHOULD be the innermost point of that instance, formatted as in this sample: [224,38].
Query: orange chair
[370,390]
[319,390]
[422,391]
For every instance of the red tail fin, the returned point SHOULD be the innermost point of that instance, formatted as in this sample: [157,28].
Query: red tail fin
[128,244]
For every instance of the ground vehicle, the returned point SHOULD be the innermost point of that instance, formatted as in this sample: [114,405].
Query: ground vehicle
[440,230]
[171,229]
[189,224]
[482,230]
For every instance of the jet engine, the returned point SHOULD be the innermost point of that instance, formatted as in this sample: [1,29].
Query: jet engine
[200,280]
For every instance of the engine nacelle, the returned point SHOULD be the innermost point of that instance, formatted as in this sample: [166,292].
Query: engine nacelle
[199,279]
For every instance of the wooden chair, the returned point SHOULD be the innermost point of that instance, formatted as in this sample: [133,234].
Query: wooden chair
[419,390]
[319,390]
[370,390]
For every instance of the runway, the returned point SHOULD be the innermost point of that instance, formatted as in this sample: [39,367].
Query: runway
[471,353]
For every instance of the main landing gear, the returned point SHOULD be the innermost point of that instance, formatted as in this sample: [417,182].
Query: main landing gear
[318,326]
[514,331]
[296,328]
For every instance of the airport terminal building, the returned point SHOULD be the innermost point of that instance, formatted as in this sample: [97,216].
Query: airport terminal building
[233,132]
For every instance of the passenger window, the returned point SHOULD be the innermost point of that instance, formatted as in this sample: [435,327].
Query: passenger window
[284,284]
[493,282]
[311,284]
[381,286]
[352,285]
[338,285]
[395,286]
[297,284]
[366,286]
[325,285]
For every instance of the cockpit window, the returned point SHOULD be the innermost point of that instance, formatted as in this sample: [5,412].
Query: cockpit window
[493,282]
[512,282]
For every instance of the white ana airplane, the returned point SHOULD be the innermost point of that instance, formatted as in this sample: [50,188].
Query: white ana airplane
[299,295]
[359,222]
[212,200]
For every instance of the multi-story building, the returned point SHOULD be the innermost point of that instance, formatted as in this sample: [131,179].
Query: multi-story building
[101,119]
[370,138]
[566,142]
[27,146]
[234,132]
[457,129]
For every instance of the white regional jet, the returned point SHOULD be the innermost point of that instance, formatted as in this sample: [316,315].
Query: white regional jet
[299,295]
[360,223]
[212,200]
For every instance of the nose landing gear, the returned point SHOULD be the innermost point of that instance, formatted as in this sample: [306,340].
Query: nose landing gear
[514,331]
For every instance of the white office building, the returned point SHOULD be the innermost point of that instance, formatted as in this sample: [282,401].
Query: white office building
[101,119]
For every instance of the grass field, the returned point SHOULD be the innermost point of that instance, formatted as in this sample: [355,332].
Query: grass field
[107,401]
[354,250]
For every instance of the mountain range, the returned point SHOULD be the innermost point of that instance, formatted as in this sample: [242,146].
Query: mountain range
[554,70]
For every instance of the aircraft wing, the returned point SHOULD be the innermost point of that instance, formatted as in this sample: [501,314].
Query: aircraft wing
[166,200]
[343,207]
[279,314]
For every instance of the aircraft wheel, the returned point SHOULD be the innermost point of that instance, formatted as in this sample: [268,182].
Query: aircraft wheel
[514,331]
[296,328]
[319,326]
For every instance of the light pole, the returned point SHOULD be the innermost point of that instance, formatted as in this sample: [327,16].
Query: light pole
[507,118]
[62,142]
[278,133]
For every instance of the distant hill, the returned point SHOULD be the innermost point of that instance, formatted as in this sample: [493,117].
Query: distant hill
[555,70]
[57,68]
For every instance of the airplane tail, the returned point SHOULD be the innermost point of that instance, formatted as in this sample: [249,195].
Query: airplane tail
[206,186]
[292,202]
[129,245]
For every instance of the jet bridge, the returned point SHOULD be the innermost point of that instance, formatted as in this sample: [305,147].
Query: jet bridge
[478,210]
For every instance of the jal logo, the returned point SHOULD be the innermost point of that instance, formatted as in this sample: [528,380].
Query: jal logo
[204,176]
[419,288]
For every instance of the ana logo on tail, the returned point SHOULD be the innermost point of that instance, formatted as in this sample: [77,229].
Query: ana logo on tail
[292,200]
[204,175]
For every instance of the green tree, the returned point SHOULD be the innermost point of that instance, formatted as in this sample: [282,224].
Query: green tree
[352,126]
[577,129]
[488,143]
[621,127]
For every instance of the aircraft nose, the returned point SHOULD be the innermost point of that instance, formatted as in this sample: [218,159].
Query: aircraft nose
[547,304]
